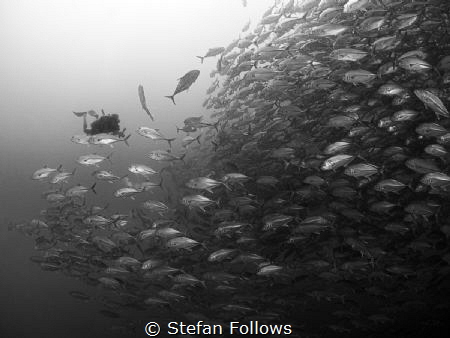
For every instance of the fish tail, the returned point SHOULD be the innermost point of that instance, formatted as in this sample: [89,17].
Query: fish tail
[59,168]
[125,140]
[73,171]
[178,129]
[182,158]
[148,113]
[198,138]
[169,140]
[201,58]
[172,97]
[215,125]
[93,188]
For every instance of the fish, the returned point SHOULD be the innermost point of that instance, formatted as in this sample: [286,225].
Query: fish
[348,54]
[205,183]
[186,141]
[44,173]
[431,101]
[81,139]
[107,139]
[337,161]
[359,76]
[187,129]
[181,243]
[212,52]
[93,159]
[155,206]
[161,155]
[184,83]
[79,190]
[154,134]
[192,201]
[193,121]
[143,101]
[127,192]
[62,176]
[104,175]
[141,169]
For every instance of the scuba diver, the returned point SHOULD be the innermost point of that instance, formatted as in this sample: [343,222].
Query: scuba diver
[108,124]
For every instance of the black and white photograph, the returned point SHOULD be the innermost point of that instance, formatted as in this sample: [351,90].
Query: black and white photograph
[224,168]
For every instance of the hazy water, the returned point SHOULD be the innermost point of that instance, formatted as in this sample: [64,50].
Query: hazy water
[64,56]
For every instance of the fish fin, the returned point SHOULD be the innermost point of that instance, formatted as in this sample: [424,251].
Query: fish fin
[172,97]
[198,138]
[201,58]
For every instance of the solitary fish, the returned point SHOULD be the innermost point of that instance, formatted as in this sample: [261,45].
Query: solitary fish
[143,102]
[184,83]
[153,134]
